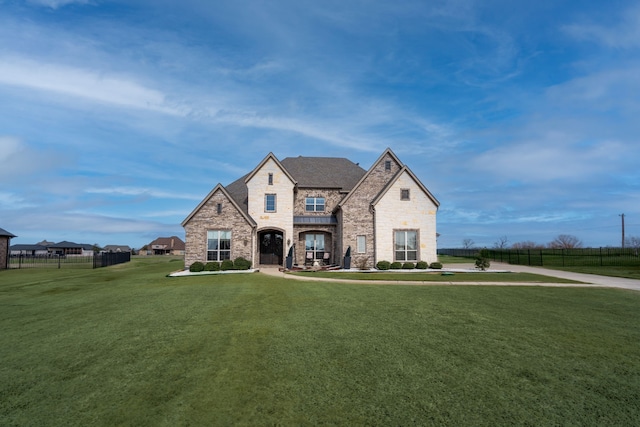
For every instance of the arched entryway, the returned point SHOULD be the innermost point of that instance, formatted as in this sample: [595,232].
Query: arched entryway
[271,248]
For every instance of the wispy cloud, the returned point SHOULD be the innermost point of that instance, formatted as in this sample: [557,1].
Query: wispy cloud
[624,35]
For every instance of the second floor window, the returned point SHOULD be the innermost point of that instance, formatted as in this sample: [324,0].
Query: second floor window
[270,203]
[314,204]
[270,179]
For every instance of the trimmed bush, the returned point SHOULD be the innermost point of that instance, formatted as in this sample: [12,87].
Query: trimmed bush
[383,265]
[482,263]
[408,266]
[196,267]
[212,266]
[435,265]
[422,265]
[396,265]
[227,264]
[241,264]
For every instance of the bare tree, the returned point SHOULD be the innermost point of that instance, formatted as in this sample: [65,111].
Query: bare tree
[468,243]
[632,242]
[565,241]
[501,243]
[527,244]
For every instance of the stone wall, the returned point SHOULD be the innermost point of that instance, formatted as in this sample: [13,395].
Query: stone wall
[4,252]
[208,218]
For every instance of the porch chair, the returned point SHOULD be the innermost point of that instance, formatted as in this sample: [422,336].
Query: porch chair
[308,260]
[325,258]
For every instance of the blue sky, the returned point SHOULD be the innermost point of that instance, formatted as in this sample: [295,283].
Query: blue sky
[118,117]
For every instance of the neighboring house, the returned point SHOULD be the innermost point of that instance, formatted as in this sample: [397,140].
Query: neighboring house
[116,248]
[166,246]
[320,206]
[29,250]
[71,249]
[5,238]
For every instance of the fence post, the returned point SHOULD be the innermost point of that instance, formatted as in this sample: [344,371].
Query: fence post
[541,263]
[562,252]
[58,261]
[529,256]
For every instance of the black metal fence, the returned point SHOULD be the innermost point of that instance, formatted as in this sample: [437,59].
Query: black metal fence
[69,261]
[585,257]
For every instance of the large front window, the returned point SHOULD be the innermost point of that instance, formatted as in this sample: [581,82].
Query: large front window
[270,203]
[218,245]
[314,204]
[406,245]
[314,246]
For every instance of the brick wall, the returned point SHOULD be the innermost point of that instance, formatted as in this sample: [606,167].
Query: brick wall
[208,218]
[4,252]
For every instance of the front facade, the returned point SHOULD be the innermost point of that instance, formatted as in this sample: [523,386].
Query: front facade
[314,208]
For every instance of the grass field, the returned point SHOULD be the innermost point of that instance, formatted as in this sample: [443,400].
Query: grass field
[400,276]
[127,346]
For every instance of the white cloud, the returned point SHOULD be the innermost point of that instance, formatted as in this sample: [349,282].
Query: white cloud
[148,192]
[83,83]
[55,4]
[624,35]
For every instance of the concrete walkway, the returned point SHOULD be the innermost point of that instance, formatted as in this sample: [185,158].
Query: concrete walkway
[588,280]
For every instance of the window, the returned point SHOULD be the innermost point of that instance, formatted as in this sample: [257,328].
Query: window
[270,203]
[219,208]
[387,165]
[270,182]
[406,245]
[314,204]
[404,194]
[218,245]
[361,244]
[314,245]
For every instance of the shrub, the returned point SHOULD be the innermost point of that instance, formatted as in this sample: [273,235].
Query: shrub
[212,266]
[196,267]
[422,265]
[408,266]
[482,263]
[396,265]
[383,265]
[435,265]
[241,263]
[227,264]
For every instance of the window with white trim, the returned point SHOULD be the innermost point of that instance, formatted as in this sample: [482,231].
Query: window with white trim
[361,244]
[269,202]
[218,245]
[314,204]
[406,245]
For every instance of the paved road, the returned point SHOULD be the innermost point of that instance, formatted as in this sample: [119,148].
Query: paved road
[588,280]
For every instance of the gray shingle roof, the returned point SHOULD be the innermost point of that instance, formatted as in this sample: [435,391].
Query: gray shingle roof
[4,232]
[323,172]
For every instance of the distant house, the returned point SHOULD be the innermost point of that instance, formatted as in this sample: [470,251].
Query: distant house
[166,246]
[5,238]
[116,248]
[29,250]
[316,208]
[71,249]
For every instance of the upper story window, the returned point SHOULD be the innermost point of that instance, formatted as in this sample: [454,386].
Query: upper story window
[269,202]
[387,165]
[219,208]
[404,194]
[270,179]
[314,204]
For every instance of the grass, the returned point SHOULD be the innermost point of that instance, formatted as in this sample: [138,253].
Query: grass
[400,276]
[125,345]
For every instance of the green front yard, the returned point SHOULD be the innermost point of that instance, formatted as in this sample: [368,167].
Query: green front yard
[125,345]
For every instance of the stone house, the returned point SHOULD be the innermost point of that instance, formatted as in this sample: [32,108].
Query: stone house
[5,238]
[315,208]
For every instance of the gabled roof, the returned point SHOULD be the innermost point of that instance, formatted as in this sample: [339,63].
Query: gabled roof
[173,242]
[403,170]
[116,248]
[364,177]
[238,185]
[5,233]
[67,245]
[270,156]
[27,247]
[324,172]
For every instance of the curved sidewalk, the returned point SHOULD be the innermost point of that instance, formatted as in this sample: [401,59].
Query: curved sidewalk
[588,280]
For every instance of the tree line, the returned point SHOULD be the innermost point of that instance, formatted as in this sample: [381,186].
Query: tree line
[562,241]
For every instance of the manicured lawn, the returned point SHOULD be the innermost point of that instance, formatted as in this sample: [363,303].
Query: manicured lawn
[400,276]
[125,345]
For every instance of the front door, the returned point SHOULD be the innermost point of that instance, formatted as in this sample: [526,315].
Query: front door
[271,248]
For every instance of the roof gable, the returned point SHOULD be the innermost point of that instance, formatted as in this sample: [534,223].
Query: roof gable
[272,157]
[402,171]
[231,199]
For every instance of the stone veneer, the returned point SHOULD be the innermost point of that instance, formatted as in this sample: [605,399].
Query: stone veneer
[206,219]
[357,216]
[4,252]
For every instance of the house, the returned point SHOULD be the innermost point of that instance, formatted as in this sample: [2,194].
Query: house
[5,238]
[316,207]
[166,246]
[71,249]
[36,250]
[116,248]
